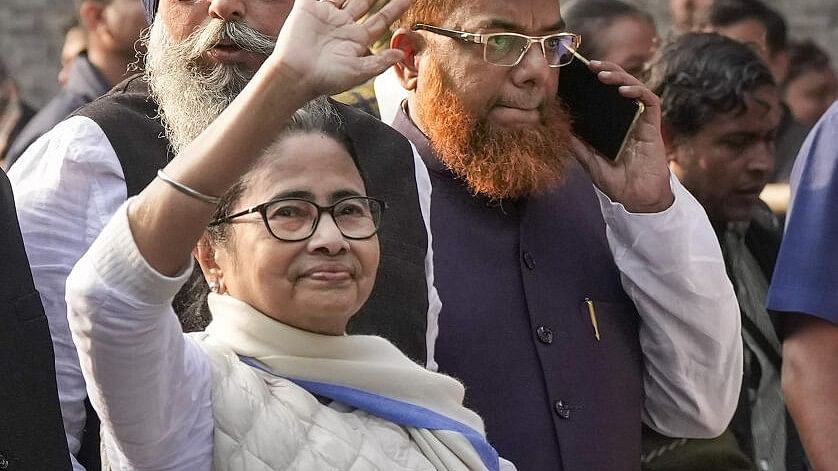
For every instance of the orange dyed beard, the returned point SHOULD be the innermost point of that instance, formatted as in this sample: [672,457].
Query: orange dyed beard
[494,161]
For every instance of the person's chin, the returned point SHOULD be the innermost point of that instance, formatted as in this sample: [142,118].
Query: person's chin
[742,208]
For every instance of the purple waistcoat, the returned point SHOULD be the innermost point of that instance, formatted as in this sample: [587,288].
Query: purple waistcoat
[514,277]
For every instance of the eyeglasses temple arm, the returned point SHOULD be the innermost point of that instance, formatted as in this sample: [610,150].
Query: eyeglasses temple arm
[462,35]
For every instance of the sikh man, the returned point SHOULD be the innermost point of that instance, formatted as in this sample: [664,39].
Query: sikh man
[578,296]
[201,54]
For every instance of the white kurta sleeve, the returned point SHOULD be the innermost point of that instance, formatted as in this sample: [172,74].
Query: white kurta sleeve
[149,383]
[67,185]
[672,268]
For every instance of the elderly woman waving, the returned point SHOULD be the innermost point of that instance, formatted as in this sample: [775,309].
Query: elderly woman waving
[290,251]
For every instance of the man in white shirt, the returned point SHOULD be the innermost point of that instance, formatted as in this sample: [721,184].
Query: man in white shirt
[563,311]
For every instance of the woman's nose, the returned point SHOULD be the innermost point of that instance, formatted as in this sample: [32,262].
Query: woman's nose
[327,237]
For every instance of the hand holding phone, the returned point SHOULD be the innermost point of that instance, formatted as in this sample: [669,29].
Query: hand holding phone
[617,121]
[600,115]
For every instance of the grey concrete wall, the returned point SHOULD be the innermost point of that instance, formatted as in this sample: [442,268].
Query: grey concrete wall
[31,33]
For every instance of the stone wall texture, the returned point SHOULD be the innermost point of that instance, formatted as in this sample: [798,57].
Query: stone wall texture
[31,32]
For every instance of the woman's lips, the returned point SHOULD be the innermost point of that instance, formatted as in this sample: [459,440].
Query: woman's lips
[330,272]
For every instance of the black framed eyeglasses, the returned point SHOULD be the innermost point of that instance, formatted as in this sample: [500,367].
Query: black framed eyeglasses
[507,49]
[296,219]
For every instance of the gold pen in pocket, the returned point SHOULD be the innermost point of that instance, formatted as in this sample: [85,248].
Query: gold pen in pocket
[592,314]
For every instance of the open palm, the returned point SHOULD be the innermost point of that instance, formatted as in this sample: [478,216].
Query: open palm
[325,48]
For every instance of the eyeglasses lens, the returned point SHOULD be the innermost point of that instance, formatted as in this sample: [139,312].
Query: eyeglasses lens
[292,219]
[507,49]
[357,218]
[558,49]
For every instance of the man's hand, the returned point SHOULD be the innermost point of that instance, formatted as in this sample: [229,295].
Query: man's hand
[639,179]
[325,50]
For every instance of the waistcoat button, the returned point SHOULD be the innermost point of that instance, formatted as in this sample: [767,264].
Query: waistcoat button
[562,410]
[529,260]
[545,335]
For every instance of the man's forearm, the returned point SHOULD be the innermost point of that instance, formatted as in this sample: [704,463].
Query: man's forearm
[810,385]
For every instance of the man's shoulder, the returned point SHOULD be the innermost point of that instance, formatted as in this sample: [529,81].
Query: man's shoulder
[130,99]
[363,125]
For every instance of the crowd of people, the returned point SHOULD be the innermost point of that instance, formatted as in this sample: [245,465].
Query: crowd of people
[362,235]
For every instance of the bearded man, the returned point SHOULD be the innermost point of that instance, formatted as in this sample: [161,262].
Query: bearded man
[200,56]
[578,296]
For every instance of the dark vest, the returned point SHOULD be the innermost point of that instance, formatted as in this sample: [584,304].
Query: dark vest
[31,431]
[398,306]
[514,277]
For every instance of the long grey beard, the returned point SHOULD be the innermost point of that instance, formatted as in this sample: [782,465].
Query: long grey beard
[189,94]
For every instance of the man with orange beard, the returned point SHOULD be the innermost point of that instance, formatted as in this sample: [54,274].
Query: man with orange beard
[579,296]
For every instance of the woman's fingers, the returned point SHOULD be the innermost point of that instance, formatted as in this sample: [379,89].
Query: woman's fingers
[380,21]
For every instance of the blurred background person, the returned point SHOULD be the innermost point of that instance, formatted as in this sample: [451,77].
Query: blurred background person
[763,28]
[75,43]
[14,113]
[755,23]
[688,15]
[112,27]
[810,86]
[721,111]
[613,31]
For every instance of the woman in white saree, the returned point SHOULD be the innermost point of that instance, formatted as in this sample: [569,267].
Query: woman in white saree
[291,253]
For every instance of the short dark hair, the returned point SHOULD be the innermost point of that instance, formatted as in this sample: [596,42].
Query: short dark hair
[701,75]
[805,56]
[590,17]
[727,12]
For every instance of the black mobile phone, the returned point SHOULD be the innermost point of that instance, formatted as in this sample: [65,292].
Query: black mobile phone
[600,115]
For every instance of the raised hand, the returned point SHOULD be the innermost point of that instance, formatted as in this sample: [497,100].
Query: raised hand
[325,49]
[639,178]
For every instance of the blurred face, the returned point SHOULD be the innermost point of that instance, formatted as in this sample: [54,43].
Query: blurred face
[728,162]
[75,41]
[750,32]
[125,20]
[315,284]
[688,14]
[811,94]
[182,18]
[500,128]
[630,42]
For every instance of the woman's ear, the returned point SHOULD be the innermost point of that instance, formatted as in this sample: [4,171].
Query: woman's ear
[207,257]
[204,252]
[407,70]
